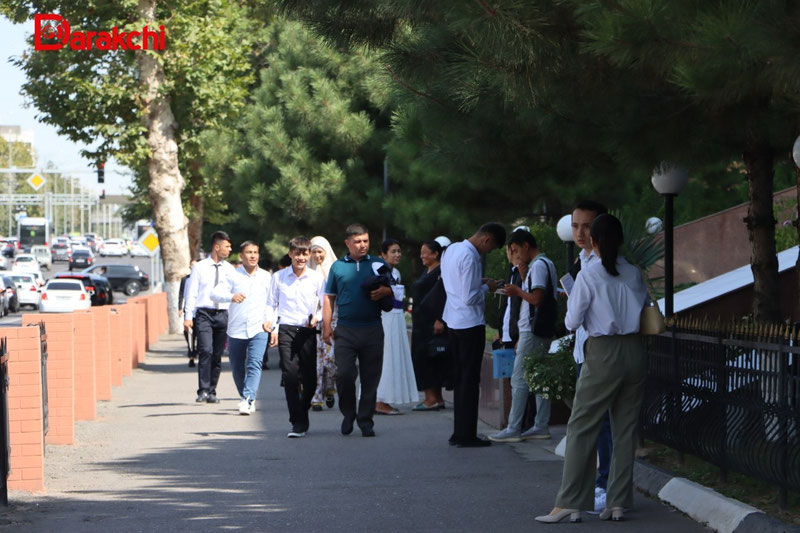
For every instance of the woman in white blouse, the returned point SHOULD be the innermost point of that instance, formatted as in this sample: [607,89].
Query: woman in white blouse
[607,300]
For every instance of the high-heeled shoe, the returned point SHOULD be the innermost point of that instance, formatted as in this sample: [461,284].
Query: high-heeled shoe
[557,516]
[612,513]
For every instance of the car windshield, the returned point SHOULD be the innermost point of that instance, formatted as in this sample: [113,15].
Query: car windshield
[22,279]
[63,286]
[24,259]
[80,253]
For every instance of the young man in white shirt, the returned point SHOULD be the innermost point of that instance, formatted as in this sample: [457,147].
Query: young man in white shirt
[296,297]
[582,217]
[249,323]
[208,318]
[464,316]
[536,324]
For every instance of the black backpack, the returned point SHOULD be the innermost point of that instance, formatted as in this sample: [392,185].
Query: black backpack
[543,316]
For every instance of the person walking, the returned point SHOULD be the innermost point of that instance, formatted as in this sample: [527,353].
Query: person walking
[249,323]
[536,327]
[322,257]
[398,383]
[296,298]
[432,370]
[607,299]
[208,318]
[359,332]
[188,333]
[464,316]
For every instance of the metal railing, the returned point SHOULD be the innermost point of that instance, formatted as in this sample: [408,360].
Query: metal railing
[729,394]
[5,440]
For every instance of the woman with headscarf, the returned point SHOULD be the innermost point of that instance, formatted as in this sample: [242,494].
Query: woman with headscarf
[322,257]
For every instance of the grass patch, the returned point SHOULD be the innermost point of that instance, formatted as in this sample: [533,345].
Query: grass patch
[759,494]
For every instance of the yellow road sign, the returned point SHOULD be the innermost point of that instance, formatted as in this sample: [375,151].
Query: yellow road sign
[36,181]
[149,240]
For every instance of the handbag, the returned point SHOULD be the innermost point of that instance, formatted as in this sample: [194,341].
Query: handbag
[438,346]
[651,321]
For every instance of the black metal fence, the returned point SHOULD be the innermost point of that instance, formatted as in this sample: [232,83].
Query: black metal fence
[5,440]
[729,395]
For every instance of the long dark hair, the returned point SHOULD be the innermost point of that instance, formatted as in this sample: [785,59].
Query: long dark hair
[606,232]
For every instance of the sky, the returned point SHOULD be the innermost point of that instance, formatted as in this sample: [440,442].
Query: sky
[49,146]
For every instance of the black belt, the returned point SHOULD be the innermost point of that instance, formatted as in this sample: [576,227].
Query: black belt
[288,327]
[211,310]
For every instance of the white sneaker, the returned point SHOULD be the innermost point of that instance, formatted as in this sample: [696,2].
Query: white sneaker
[599,500]
[296,434]
[507,435]
[252,406]
[244,407]
[536,434]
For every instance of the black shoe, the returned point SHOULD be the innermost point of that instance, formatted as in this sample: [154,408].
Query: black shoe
[212,398]
[191,363]
[316,407]
[202,397]
[452,441]
[330,401]
[368,432]
[347,426]
[474,443]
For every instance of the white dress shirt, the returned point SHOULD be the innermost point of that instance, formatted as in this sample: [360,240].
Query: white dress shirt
[605,304]
[245,319]
[197,293]
[461,275]
[580,334]
[293,299]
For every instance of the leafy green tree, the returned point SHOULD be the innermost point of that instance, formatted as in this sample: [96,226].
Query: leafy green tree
[146,108]
[307,154]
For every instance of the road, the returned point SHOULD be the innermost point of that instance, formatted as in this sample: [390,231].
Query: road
[15,319]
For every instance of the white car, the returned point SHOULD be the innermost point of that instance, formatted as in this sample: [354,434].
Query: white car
[43,255]
[64,296]
[114,247]
[27,289]
[25,263]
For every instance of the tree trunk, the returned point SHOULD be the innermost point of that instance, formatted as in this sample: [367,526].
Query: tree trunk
[198,202]
[166,182]
[760,220]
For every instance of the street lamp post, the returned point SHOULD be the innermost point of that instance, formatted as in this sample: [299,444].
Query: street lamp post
[564,230]
[669,180]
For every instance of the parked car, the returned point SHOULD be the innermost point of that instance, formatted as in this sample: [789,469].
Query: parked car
[43,255]
[25,263]
[137,250]
[27,289]
[64,296]
[81,259]
[10,246]
[98,287]
[61,251]
[126,278]
[10,289]
[115,247]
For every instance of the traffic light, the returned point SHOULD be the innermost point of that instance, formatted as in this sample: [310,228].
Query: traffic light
[101,172]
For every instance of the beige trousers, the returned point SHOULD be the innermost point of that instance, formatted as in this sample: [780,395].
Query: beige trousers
[612,378]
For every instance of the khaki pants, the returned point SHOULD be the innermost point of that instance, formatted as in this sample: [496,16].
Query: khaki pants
[612,378]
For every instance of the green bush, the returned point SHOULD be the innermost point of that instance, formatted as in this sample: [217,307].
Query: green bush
[552,375]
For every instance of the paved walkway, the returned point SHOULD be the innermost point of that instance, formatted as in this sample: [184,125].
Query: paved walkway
[156,461]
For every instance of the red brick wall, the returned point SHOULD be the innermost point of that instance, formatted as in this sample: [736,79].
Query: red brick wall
[25,409]
[102,352]
[85,368]
[60,375]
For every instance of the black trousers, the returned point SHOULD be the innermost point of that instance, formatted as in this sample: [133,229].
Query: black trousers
[297,347]
[364,345]
[211,327]
[467,346]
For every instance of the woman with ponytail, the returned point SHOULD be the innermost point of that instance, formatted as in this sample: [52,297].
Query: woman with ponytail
[607,300]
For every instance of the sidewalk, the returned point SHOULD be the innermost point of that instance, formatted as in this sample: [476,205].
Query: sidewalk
[154,460]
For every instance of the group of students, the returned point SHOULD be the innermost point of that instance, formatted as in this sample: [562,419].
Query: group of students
[364,337]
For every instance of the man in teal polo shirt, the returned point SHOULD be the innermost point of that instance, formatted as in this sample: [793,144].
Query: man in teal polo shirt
[359,331]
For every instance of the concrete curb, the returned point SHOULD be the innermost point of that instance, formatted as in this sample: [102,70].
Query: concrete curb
[702,504]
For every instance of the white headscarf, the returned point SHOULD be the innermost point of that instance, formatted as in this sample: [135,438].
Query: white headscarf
[330,257]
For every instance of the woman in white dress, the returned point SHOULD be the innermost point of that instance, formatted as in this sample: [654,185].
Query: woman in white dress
[322,257]
[398,384]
